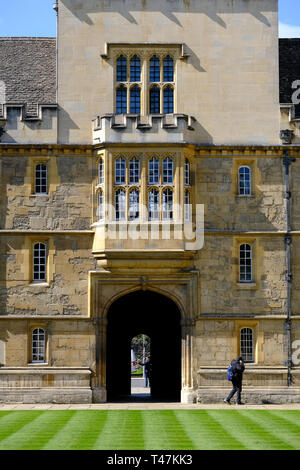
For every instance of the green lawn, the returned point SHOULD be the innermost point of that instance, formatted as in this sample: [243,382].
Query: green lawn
[150,430]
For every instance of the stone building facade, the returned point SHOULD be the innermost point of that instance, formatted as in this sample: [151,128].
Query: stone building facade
[149,166]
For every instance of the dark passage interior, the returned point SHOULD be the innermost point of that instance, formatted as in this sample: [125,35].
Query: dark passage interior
[158,317]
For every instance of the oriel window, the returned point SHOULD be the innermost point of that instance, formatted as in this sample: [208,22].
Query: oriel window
[153,204]
[120,204]
[134,201]
[120,171]
[153,171]
[167,204]
[134,171]
[168,171]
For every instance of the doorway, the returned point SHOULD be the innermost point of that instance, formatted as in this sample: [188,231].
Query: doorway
[158,317]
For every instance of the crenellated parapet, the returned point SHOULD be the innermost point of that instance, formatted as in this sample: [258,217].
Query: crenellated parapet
[113,128]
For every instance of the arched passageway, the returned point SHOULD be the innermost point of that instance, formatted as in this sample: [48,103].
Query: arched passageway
[158,317]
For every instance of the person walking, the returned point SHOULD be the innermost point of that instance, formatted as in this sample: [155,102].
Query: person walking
[238,368]
[148,371]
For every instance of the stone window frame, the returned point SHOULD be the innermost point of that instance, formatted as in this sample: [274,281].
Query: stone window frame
[32,326]
[145,53]
[34,162]
[251,164]
[239,180]
[33,242]
[249,284]
[250,347]
[257,339]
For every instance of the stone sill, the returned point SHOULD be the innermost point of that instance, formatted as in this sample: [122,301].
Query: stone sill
[246,285]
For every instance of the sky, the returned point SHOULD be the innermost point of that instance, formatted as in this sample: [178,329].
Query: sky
[36,18]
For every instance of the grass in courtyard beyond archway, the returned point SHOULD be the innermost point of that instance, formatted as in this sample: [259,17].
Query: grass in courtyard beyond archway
[150,430]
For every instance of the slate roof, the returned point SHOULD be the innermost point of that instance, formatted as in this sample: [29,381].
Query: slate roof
[28,71]
[289,67]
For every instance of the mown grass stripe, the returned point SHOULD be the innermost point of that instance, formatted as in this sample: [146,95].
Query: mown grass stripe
[124,429]
[282,429]
[254,436]
[163,430]
[206,432]
[14,428]
[80,433]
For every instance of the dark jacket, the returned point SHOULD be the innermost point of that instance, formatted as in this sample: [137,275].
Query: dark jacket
[237,369]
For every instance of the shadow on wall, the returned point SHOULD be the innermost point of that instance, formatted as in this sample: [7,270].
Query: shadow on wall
[171,7]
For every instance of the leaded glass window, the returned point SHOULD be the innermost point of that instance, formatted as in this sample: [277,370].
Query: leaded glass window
[167,204]
[135,100]
[121,100]
[100,205]
[120,171]
[120,204]
[101,171]
[168,171]
[154,69]
[154,100]
[121,69]
[187,172]
[168,69]
[153,204]
[134,171]
[168,94]
[153,171]
[134,201]
[135,69]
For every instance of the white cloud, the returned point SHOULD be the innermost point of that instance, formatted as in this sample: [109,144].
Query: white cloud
[288,31]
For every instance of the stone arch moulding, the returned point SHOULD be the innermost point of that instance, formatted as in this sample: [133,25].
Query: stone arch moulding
[182,289]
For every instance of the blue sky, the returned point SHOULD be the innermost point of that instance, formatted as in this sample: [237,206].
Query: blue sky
[36,18]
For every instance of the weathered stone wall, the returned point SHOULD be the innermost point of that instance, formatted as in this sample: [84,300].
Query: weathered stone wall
[68,204]
[228,81]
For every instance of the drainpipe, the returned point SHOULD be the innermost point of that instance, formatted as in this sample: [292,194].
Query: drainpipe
[287,137]
[55,8]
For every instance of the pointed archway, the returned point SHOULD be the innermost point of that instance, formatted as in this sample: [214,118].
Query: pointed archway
[158,317]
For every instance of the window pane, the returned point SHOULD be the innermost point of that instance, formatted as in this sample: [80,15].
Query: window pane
[153,171]
[121,69]
[134,171]
[186,172]
[38,345]
[120,205]
[39,262]
[121,100]
[168,100]
[120,171]
[168,69]
[153,204]
[246,344]
[168,171]
[135,100]
[134,199]
[245,263]
[101,172]
[135,69]
[41,179]
[244,181]
[154,69]
[100,205]
[187,208]
[154,100]
[167,206]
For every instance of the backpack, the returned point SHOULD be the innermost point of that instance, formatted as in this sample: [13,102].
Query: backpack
[229,373]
